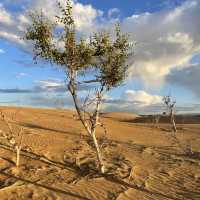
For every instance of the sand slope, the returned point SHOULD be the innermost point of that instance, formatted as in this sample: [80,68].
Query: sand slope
[53,168]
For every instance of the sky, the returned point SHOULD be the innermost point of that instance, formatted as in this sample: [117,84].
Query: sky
[166,58]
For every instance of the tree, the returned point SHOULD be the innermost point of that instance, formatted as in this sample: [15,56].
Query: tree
[170,107]
[103,57]
[156,119]
[14,139]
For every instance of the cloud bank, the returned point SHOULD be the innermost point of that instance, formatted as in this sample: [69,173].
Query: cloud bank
[166,40]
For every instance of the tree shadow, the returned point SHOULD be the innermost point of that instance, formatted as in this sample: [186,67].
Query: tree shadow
[44,186]
[34,126]
[114,179]
[190,155]
[57,113]
[40,158]
[87,172]
[8,160]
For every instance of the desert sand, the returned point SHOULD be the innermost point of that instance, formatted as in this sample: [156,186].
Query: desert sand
[58,162]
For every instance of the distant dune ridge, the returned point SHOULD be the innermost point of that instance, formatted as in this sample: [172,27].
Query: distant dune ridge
[180,119]
[131,117]
[120,116]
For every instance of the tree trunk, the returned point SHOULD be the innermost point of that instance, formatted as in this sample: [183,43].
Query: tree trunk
[173,122]
[18,150]
[98,151]
[93,129]
[90,129]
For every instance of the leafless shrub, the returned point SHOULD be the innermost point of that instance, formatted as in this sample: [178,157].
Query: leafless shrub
[170,110]
[111,195]
[156,119]
[14,138]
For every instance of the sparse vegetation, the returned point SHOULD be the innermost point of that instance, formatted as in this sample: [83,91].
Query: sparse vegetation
[187,148]
[14,139]
[170,104]
[156,119]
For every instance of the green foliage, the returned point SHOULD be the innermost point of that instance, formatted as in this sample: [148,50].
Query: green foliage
[112,57]
[102,53]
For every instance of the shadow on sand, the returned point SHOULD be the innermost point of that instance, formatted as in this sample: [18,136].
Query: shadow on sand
[34,126]
[80,174]
[44,186]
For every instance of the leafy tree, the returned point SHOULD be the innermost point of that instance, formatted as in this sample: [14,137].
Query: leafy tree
[101,56]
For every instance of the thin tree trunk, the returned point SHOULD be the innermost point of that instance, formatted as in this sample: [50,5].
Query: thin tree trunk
[18,150]
[74,96]
[93,133]
[95,118]
[174,125]
[98,151]
[173,122]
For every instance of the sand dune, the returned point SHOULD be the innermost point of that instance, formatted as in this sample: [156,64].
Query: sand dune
[180,119]
[121,116]
[60,163]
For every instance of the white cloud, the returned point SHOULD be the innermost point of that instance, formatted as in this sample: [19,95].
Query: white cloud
[5,16]
[12,37]
[21,74]
[114,13]
[135,101]
[85,15]
[23,21]
[12,26]
[166,40]
[14,23]
[2,51]
[51,84]
[142,97]
[179,11]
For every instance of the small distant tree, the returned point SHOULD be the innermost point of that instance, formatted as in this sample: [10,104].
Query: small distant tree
[171,110]
[14,138]
[102,57]
[187,147]
[156,119]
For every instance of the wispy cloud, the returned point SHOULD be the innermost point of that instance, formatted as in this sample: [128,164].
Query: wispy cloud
[21,75]
[5,16]
[44,86]
[15,90]
[114,13]
[2,51]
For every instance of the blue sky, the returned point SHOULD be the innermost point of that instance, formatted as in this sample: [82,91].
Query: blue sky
[130,7]
[166,60]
